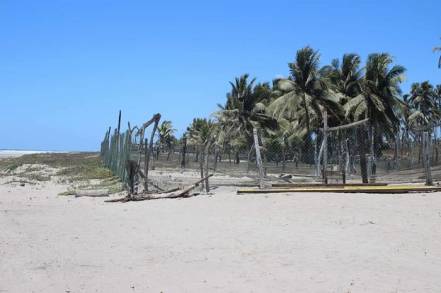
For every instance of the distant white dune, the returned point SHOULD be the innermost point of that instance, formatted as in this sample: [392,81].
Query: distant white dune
[18,153]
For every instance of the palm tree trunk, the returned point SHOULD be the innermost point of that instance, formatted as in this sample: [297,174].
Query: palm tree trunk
[249,159]
[396,151]
[197,155]
[362,151]
[216,158]
[283,159]
[170,151]
[306,114]
[372,164]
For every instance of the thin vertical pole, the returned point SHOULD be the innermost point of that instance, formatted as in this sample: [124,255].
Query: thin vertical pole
[184,151]
[325,147]
[206,157]
[201,165]
[258,158]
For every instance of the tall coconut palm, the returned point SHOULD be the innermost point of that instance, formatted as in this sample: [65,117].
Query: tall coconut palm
[303,95]
[344,80]
[379,99]
[380,93]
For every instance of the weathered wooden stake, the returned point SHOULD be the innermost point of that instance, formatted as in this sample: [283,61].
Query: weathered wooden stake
[258,158]
[207,149]
[201,166]
[157,117]
[184,151]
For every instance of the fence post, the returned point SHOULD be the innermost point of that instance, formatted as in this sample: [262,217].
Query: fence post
[426,157]
[149,151]
[183,151]
[206,158]
[201,165]
[325,147]
[342,158]
[258,158]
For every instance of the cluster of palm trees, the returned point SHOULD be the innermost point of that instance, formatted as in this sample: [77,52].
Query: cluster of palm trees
[289,111]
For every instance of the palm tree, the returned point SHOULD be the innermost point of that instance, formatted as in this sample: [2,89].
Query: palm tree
[166,137]
[344,81]
[244,110]
[437,95]
[303,95]
[202,133]
[380,93]
[379,99]
[199,134]
[423,99]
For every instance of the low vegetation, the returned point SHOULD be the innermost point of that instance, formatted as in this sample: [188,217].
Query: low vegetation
[77,166]
[81,171]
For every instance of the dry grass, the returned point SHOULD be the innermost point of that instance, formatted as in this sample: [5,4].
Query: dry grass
[77,166]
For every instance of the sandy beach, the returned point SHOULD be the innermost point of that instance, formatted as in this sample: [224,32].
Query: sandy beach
[220,242]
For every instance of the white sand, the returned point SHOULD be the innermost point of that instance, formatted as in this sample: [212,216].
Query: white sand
[219,243]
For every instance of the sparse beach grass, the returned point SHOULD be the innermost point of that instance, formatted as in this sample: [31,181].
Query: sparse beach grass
[83,171]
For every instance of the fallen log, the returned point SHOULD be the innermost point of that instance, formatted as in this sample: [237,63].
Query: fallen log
[91,193]
[141,173]
[173,194]
[191,187]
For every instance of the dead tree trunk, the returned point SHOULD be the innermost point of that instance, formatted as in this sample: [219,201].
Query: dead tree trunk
[184,151]
[207,153]
[201,167]
[156,119]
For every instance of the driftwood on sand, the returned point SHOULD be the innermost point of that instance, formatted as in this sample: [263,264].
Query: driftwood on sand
[91,193]
[173,193]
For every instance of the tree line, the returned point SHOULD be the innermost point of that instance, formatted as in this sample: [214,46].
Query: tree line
[288,112]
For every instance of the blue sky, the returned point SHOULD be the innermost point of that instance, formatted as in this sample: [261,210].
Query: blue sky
[67,67]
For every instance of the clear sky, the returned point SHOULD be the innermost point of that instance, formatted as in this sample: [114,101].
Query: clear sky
[68,66]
